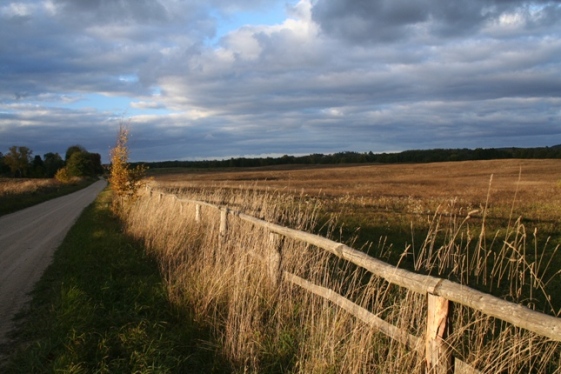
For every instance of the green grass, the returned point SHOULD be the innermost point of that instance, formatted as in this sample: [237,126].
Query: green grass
[102,307]
[11,203]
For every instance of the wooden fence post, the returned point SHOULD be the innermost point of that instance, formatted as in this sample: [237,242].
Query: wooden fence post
[160,196]
[223,221]
[438,356]
[274,258]
[197,213]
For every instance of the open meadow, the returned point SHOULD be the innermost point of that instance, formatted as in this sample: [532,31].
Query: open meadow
[390,200]
[533,185]
[491,225]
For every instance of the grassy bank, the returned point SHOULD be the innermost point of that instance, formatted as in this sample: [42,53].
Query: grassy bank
[102,307]
[16,194]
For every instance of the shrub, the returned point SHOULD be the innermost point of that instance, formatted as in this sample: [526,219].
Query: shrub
[62,176]
[124,181]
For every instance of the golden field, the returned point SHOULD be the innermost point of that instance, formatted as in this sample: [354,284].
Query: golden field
[422,180]
[399,195]
[530,181]
[459,221]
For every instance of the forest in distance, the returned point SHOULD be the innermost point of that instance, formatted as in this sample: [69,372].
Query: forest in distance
[410,156]
[86,163]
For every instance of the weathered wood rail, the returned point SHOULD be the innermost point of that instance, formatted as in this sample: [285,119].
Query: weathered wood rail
[440,292]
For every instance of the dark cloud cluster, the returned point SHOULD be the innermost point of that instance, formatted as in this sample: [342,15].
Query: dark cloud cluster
[336,75]
[391,20]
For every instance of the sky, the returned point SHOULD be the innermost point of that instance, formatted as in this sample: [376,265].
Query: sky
[214,79]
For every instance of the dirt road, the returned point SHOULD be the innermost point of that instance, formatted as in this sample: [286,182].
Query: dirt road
[28,239]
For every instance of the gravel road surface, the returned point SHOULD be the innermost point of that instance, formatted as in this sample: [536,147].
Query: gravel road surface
[28,239]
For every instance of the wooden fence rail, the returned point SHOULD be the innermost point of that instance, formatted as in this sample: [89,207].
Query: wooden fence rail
[440,292]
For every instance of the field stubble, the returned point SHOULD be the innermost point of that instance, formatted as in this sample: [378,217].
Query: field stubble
[472,233]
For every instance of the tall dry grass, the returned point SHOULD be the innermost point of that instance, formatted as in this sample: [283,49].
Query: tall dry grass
[266,325]
[13,187]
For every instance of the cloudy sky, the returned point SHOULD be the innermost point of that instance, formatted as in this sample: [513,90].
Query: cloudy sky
[210,79]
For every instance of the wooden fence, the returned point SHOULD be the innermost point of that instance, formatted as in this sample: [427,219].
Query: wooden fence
[440,293]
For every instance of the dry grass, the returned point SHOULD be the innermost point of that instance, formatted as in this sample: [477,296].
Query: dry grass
[262,328]
[390,210]
[408,193]
[265,327]
[467,180]
[14,187]
[16,194]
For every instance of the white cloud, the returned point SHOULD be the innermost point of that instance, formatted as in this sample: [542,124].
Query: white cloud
[242,44]
[17,9]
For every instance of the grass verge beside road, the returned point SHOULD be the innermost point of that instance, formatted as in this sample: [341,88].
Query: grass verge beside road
[18,194]
[102,307]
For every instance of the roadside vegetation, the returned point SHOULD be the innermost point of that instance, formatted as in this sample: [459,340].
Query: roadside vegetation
[20,193]
[269,327]
[102,307]
[125,180]
[492,225]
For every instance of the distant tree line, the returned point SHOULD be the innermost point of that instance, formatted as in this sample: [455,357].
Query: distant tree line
[19,162]
[412,156]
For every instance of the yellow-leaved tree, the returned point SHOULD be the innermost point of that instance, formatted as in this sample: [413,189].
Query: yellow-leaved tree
[124,180]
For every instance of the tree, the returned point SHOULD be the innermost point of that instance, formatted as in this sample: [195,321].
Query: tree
[74,149]
[80,165]
[53,162]
[3,167]
[124,181]
[18,160]
[96,163]
[38,167]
